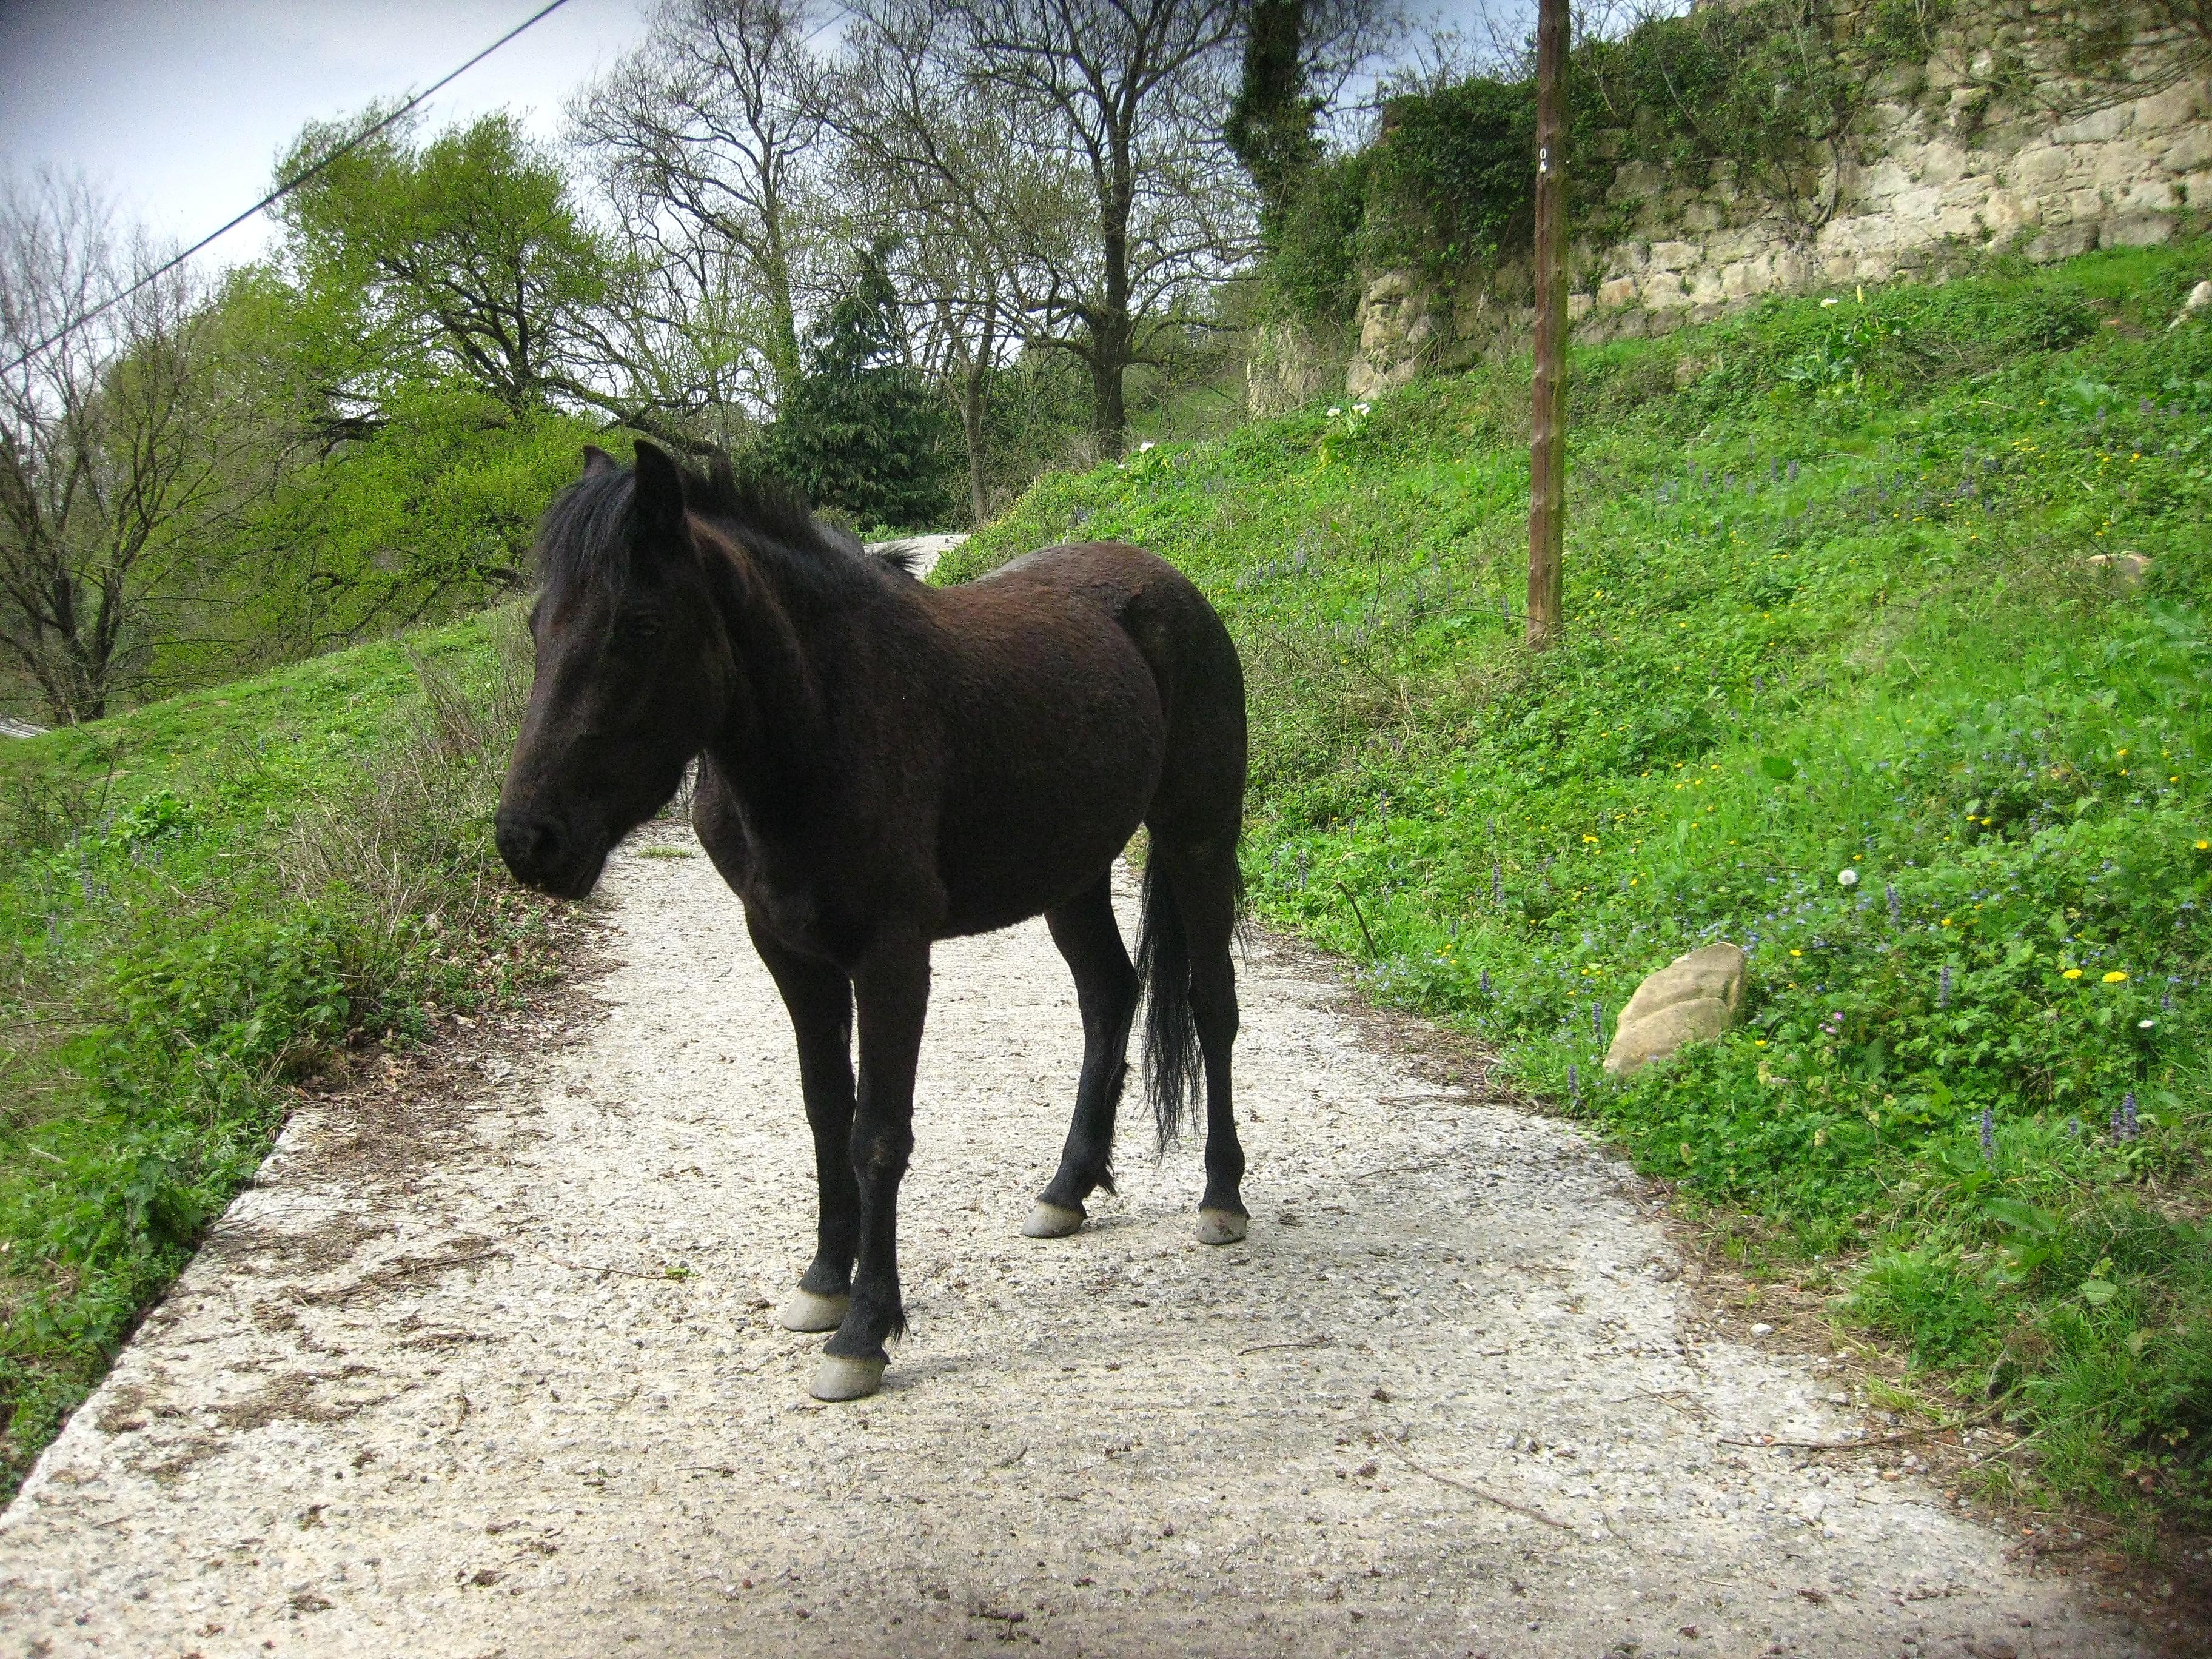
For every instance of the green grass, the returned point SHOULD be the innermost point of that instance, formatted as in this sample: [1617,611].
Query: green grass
[1830,611]
[200,902]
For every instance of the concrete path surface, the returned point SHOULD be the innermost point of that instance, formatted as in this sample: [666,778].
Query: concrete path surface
[486,1363]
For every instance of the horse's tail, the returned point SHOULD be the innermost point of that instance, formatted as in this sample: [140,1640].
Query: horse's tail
[1173,1071]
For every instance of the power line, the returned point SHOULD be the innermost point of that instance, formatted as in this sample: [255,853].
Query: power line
[282,190]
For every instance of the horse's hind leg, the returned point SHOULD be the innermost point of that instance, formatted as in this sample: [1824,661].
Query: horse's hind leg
[1204,884]
[1106,990]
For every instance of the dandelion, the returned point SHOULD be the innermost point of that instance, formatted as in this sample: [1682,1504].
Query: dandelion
[2116,977]
[1989,1136]
[1943,988]
[2071,972]
[1847,878]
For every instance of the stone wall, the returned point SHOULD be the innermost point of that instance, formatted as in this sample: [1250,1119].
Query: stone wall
[1933,173]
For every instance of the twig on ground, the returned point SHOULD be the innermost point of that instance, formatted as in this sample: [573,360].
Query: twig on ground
[1304,1342]
[1474,1491]
[1373,954]
[1865,1445]
[663,1277]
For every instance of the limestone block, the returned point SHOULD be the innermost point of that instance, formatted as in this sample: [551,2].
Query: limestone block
[1664,290]
[2124,571]
[2149,195]
[1938,163]
[1705,286]
[1619,291]
[1701,215]
[2007,212]
[2192,150]
[1693,998]
[2118,166]
[1915,210]
[1578,306]
[1886,178]
[2040,164]
[2063,242]
[2135,230]
[2179,105]
[1746,279]
[2097,127]
[1675,256]
[1636,181]
[1711,311]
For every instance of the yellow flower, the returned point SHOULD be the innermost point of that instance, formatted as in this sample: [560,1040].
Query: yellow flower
[1758,1042]
[2116,977]
[2071,972]
[1796,953]
[2204,846]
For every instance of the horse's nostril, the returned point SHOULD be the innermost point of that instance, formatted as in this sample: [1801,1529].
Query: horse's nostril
[531,845]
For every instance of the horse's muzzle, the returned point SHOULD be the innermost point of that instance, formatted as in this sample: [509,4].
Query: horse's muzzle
[541,854]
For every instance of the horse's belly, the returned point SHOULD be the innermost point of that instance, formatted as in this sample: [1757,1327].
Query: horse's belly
[1037,831]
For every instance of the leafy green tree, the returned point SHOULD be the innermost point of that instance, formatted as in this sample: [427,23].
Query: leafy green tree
[464,260]
[1271,124]
[862,431]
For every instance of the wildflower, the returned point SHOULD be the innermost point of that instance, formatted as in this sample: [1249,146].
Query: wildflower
[1795,951]
[1989,1136]
[2128,1113]
[1359,409]
[1889,891]
[1943,988]
[1575,1086]
[1833,1025]
[1597,1020]
[1847,878]
[1830,300]
[2074,1128]
[2145,1024]
[2116,977]
[1485,982]
[1497,883]
[1333,411]
[2204,846]
[2071,972]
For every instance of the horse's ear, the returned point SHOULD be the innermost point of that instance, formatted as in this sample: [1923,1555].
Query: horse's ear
[596,462]
[659,494]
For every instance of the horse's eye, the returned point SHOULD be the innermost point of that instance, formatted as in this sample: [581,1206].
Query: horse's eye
[637,630]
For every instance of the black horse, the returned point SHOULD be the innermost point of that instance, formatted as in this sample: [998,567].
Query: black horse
[883,765]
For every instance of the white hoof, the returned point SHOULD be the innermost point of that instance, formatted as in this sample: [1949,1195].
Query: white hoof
[806,1311]
[838,1378]
[1051,1221]
[1222,1227]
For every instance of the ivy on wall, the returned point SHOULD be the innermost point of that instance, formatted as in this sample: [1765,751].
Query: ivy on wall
[1771,91]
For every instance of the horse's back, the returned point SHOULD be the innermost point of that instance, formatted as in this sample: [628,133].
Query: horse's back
[1185,648]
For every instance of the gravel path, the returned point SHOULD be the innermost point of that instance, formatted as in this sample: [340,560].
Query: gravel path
[486,1363]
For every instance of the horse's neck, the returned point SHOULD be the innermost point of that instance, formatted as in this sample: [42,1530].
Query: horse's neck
[773,725]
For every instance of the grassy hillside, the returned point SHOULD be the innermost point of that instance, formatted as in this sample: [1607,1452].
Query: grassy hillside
[1841,685]
[199,901]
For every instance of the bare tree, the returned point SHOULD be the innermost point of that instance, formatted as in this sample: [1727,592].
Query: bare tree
[708,136]
[115,459]
[1120,105]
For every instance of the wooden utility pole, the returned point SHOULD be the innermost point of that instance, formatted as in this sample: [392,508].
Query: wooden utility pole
[1547,442]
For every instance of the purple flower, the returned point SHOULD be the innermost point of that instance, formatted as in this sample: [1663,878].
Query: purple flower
[1896,910]
[1485,982]
[1497,882]
[1943,988]
[1989,1136]
[1597,1019]
[1575,1086]
[2128,1113]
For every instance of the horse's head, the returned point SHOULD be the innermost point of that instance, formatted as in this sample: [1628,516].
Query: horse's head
[632,672]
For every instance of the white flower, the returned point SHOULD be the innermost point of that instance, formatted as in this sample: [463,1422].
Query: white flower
[1359,409]
[1848,877]
[1335,410]
[1830,300]
[1141,448]
[2145,1025]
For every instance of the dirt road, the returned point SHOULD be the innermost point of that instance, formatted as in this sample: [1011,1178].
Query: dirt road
[489,1366]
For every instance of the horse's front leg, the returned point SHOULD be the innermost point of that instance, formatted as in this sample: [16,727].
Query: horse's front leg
[819,998]
[891,986]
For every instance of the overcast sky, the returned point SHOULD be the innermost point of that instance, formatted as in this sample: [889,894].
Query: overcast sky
[179,108]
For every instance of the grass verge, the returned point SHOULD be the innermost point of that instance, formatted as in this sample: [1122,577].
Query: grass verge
[1843,683]
[200,902]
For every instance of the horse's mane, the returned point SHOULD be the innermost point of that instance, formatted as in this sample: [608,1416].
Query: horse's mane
[585,537]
